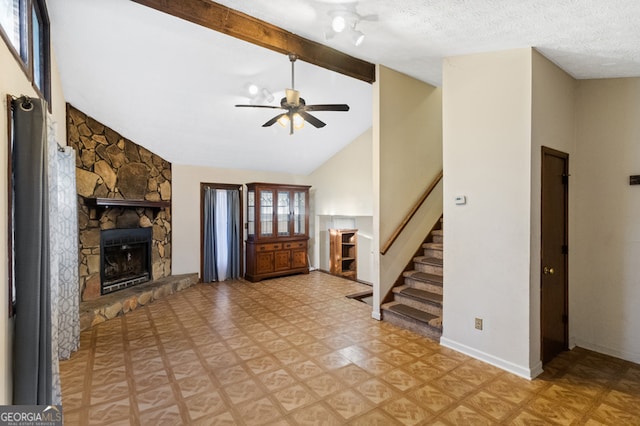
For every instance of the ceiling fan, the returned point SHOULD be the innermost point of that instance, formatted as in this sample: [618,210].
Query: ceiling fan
[297,111]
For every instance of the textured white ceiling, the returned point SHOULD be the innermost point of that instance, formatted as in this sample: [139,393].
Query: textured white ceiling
[171,85]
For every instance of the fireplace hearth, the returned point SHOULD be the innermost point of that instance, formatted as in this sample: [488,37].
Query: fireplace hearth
[125,258]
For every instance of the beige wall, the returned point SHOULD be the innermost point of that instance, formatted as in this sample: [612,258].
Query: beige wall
[408,140]
[343,187]
[605,243]
[185,206]
[553,126]
[14,82]
[487,158]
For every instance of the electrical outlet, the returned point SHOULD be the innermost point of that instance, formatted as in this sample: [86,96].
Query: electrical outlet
[478,323]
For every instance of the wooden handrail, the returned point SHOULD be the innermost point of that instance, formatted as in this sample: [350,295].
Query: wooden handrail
[411,213]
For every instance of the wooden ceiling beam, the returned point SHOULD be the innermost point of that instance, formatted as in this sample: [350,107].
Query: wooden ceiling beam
[244,27]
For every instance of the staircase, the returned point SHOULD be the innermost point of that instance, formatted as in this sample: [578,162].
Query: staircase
[417,304]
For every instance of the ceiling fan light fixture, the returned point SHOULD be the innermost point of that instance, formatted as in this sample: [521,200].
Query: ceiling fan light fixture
[268,96]
[252,89]
[357,37]
[284,121]
[298,121]
[338,23]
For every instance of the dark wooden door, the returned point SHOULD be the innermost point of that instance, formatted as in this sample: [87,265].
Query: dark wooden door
[554,254]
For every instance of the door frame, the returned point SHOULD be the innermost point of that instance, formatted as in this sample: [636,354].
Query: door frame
[232,186]
[565,157]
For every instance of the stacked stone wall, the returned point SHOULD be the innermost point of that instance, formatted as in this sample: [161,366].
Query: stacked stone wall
[111,166]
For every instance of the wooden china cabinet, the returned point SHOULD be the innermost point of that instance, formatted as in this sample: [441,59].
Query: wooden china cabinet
[277,230]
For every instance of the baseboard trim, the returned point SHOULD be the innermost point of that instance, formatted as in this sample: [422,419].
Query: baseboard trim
[518,370]
[627,356]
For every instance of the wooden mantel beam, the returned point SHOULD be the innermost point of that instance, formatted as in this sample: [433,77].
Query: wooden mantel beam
[244,27]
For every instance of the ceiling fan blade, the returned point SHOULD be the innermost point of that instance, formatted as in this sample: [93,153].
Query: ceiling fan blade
[259,106]
[327,107]
[273,120]
[311,119]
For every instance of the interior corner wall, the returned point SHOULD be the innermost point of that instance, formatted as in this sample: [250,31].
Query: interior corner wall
[487,158]
[14,82]
[605,247]
[185,206]
[553,126]
[410,157]
[343,187]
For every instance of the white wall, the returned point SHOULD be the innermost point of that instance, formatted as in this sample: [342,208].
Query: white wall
[185,207]
[487,158]
[408,137]
[605,247]
[553,126]
[14,82]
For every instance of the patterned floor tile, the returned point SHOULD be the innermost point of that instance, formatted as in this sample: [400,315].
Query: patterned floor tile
[277,379]
[348,404]
[243,391]
[462,416]
[494,407]
[259,412]
[433,399]
[406,412]
[295,351]
[205,404]
[376,391]
[294,397]
[154,398]
[315,414]
[195,385]
[305,370]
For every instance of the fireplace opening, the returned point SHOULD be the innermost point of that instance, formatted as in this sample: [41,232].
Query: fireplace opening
[125,258]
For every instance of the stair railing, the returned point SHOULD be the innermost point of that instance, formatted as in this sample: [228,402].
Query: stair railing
[411,213]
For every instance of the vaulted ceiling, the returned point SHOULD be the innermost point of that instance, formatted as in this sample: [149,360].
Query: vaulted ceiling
[171,85]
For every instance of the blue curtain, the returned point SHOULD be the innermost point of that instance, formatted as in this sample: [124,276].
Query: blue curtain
[221,234]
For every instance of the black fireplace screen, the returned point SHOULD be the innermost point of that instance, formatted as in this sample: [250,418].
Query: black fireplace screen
[125,258]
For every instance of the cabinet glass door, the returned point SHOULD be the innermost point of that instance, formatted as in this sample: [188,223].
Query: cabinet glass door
[284,211]
[251,213]
[299,213]
[266,213]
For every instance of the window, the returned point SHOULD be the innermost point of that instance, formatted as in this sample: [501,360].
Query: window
[24,26]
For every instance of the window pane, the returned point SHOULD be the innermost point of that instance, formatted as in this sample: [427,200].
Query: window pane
[37,49]
[283,213]
[251,204]
[10,21]
[266,213]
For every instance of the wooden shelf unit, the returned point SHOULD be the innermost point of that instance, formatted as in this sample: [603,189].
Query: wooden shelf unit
[343,251]
[277,230]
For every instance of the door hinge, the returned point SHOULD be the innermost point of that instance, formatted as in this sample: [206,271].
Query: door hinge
[565,249]
[565,319]
[565,179]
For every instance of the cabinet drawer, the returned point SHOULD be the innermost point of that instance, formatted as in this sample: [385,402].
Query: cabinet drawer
[268,247]
[295,244]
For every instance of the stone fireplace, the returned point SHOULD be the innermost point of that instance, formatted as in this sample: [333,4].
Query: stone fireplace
[125,258]
[121,186]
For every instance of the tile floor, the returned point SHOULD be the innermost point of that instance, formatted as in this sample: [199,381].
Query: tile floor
[295,351]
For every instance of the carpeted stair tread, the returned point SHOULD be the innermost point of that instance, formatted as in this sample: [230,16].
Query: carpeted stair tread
[437,232]
[428,260]
[410,312]
[434,246]
[421,295]
[424,277]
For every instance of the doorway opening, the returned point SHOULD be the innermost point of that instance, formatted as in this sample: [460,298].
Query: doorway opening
[221,236]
